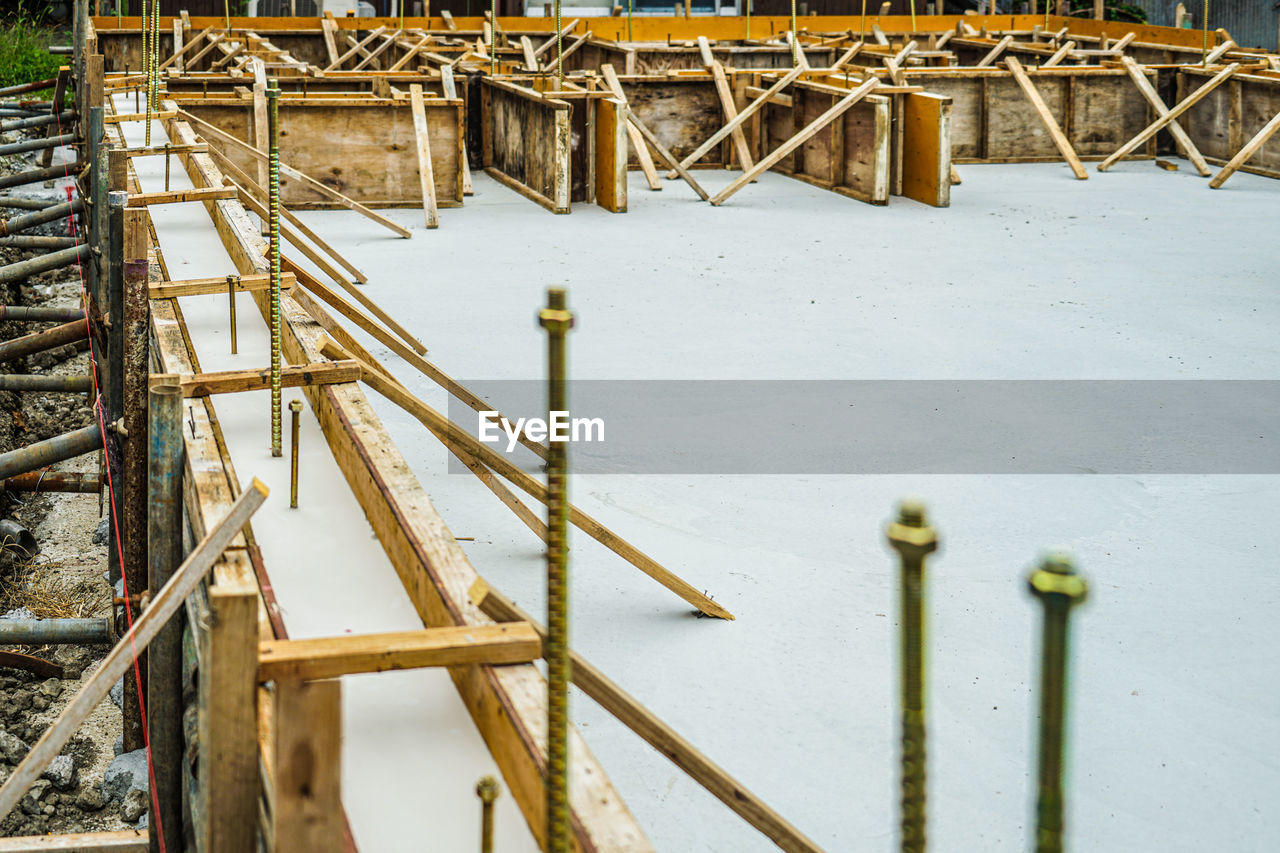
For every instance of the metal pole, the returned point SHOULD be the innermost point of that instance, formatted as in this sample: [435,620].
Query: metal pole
[273,222]
[53,481]
[51,450]
[44,263]
[913,539]
[38,144]
[53,632]
[53,383]
[24,241]
[67,333]
[295,409]
[164,656]
[39,121]
[41,315]
[37,175]
[487,790]
[40,217]
[557,320]
[232,282]
[1059,588]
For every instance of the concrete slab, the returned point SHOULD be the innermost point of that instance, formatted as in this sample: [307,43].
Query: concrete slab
[1136,274]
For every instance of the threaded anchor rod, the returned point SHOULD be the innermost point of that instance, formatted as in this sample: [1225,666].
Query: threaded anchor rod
[487,790]
[273,227]
[913,539]
[1059,588]
[557,320]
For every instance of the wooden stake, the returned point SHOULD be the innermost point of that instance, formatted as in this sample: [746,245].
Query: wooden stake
[811,129]
[1250,149]
[635,716]
[1153,97]
[163,605]
[1046,118]
[426,176]
[1187,103]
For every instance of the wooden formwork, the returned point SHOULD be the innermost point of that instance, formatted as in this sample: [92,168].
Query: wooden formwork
[1231,115]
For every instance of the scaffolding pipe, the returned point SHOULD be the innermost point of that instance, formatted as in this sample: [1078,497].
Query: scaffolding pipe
[23,382]
[61,170]
[13,536]
[40,217]
[40,315]
[43,244]
[53,632]
[24,203]
[37,144]
[38,121]
[53,481]
[35,86]
[52,450]
[68,333]
[44,263]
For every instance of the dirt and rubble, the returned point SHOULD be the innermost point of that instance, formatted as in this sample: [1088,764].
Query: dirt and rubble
[89,787]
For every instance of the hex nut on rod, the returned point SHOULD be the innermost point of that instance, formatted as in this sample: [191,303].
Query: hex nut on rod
[487,790]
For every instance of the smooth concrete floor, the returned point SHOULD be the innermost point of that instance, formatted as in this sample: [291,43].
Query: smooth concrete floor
[1134,274]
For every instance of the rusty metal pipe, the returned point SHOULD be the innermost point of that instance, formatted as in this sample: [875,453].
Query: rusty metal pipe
[67,333]
[15,537]
[49,451]
[45,263]
[53,481]
[41,315]
[38,144]
[50,632]
[40,217]
[24,203]
[24,382]
[25,241]
[62,170]
[38,121]
[34,86]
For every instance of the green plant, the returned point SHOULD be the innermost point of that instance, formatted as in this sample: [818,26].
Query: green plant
[24,49]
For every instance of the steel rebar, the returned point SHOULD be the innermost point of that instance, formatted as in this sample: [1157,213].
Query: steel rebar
[67,333]
[557,320]
[914,540]
[51,382]
[51,450]
[40,217]
[53,632]
[1059,588]
[232,282]
[273,223]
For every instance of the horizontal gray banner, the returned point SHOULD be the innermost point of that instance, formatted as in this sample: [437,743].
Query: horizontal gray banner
[891,426]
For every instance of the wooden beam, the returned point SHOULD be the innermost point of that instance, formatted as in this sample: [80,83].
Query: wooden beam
[1059,55]
[441,426]
[358,47]
[180,196]
[1251,148]
[551,42]
[847,56]
[163,605]
[450,89]
[410,54]
[331,657]
[1218,52]
[530,61]
[426,175]
[152,151]
[1187,103]
[307,815]
[995,52]
[1157,103]
[611,80]
[186,47]
[126,841]
[291,376]
[290,172]
[156,116]
[751,109]
[387,41]
[726,101]
[1046,118]
[811,129]
[329,27]
[216,284]
[637,141]
[635,716]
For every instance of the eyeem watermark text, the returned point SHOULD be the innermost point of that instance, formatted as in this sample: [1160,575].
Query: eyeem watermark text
[558,427]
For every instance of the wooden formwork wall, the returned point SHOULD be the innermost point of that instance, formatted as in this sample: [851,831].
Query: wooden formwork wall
[1229,116]
[364,148]
[526,142]
[663,59]
[993,122]
[682,111]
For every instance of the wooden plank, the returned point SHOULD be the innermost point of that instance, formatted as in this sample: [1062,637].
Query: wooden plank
[926,144]
[450,88]
[637,141]
[611,154]
[1059,55]
[179,55]
[387,41]
[125,841]
[1187,103]
[291,376]
[178,47]
[411,53]
[530,61]
[156,116]
[208,129]
[329,28]
[1251,148]
[260,132]
[727,105]
[307,815]
[358,47]
[1157,103]
[215,284]
[635,716]
[995,52]
[425,174]
[163,605]
[331,657]
[1055,132]
[180,196]
[838,109]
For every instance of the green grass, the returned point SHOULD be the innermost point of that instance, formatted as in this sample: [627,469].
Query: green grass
[24,50]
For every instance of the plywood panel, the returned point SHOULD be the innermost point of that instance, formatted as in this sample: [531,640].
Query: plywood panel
[926,149]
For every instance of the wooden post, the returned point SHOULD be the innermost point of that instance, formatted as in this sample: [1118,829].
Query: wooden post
[164,658]
[426,175]
[307,751]
[1099,10]
[134,319]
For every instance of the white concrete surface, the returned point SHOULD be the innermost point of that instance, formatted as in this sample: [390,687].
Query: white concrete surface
[1136,274]
[331,577]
